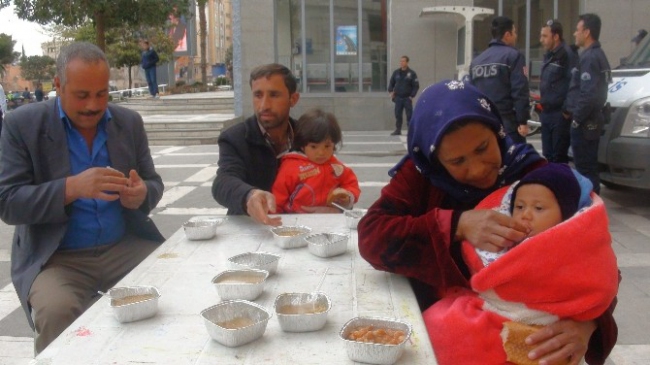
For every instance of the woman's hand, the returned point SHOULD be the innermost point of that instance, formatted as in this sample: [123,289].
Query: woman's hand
[561,340]
[489,230]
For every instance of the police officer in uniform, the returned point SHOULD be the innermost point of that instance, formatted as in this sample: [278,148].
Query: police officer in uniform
[499,73]
[555,78]
[403,87]
[590,80]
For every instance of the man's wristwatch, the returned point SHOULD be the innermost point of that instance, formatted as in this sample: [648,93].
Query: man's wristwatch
[574,124]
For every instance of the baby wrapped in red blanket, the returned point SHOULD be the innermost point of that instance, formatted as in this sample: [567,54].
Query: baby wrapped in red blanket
[567,271]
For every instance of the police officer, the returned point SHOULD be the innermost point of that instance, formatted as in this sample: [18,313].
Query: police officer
[590,80]
[555,78]
[403,87]
[499,73]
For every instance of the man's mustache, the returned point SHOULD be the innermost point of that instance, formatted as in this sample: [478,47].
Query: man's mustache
[90,113]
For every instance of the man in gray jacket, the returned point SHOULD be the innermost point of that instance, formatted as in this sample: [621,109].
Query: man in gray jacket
[78,182]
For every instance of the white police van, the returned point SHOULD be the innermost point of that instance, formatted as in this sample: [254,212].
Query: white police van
[624,149]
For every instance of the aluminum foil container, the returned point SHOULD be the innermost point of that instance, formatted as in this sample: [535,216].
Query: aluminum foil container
[302,312]
[200,229]
[290,236]
[235,322]
[374,353]
[245,284]
[133,303]
[255,260]
[218,220]
[353,216]
[327,244]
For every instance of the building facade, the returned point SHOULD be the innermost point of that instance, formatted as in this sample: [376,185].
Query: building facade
[343,51]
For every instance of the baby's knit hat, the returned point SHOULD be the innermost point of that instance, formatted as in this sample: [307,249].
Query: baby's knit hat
[560,180]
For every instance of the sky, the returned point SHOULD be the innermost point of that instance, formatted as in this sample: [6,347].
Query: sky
[25,33]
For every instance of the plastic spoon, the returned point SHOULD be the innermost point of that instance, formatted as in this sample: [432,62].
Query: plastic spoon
[314,294]
[339,206]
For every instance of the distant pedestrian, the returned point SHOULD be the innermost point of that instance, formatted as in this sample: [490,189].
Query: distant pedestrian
[589,81]
[149,61]
[499,73]
[38,93]
[3,105]
[555,77]
[403,87]
[27,96]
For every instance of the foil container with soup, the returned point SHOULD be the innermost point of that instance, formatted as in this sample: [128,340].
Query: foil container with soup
[302,312]
[235,322]
[133,303]
[245,284]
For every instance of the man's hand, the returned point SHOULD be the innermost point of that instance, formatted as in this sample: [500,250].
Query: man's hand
[523,130]
[259,204]
[489,230]
[560,341]
[134,193]
[95,183]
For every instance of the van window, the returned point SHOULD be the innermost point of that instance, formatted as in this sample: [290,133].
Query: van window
[640,57]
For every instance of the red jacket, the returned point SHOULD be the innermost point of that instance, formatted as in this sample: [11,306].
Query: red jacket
[301,182]
[408,231]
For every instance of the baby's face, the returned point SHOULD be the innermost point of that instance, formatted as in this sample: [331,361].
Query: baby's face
[536,208]
[319,152]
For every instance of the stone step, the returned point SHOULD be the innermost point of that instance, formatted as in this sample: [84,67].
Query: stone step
[182,133]
[185,129]
[188,141]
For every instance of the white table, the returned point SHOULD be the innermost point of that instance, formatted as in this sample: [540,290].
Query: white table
[182,270]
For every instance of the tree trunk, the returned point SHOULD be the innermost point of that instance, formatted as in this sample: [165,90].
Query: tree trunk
[130,67]
[202,36]
[100,28]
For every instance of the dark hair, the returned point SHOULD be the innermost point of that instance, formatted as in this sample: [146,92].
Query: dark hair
[316,126]
[592,22]
[406,58]
[500,26]
[556,28]
[275,69]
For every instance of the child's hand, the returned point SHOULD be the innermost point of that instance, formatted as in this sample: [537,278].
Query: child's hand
[341,197]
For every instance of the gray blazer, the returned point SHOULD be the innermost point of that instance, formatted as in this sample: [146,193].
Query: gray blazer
[34,162]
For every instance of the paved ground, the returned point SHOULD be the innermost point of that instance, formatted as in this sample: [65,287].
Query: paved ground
[188,173]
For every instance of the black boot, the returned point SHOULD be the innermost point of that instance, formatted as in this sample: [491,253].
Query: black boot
[397,132]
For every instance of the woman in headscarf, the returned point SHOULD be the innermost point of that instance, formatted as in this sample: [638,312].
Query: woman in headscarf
[458,153]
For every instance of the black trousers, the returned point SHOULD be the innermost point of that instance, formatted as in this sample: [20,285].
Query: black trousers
[402,104]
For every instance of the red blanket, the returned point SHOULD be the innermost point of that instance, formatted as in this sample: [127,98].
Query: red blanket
[566,272]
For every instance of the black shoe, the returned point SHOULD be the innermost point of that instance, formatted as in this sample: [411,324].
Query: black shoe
[396,133]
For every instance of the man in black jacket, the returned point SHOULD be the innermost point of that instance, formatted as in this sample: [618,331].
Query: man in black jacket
[555,77]
[403,87]
[590,81]
[149,61]
[249,152]
[499,72]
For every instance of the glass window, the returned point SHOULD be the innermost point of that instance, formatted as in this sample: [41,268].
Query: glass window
[340,53]
[374,63]
[346,49]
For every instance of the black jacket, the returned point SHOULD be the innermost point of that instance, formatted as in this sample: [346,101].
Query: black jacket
[404,83]
[556,77]
[589,82]
[499,73]
[246,162]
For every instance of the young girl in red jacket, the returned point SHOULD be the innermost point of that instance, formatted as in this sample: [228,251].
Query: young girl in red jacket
[311,176]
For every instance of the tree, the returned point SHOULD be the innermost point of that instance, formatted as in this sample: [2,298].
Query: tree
[102,14]
[38,68]
[6,51]
[203,30]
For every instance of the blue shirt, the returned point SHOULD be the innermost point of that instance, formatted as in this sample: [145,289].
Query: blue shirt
[93,222]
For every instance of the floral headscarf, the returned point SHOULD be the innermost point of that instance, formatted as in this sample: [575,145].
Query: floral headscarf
[442,105]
